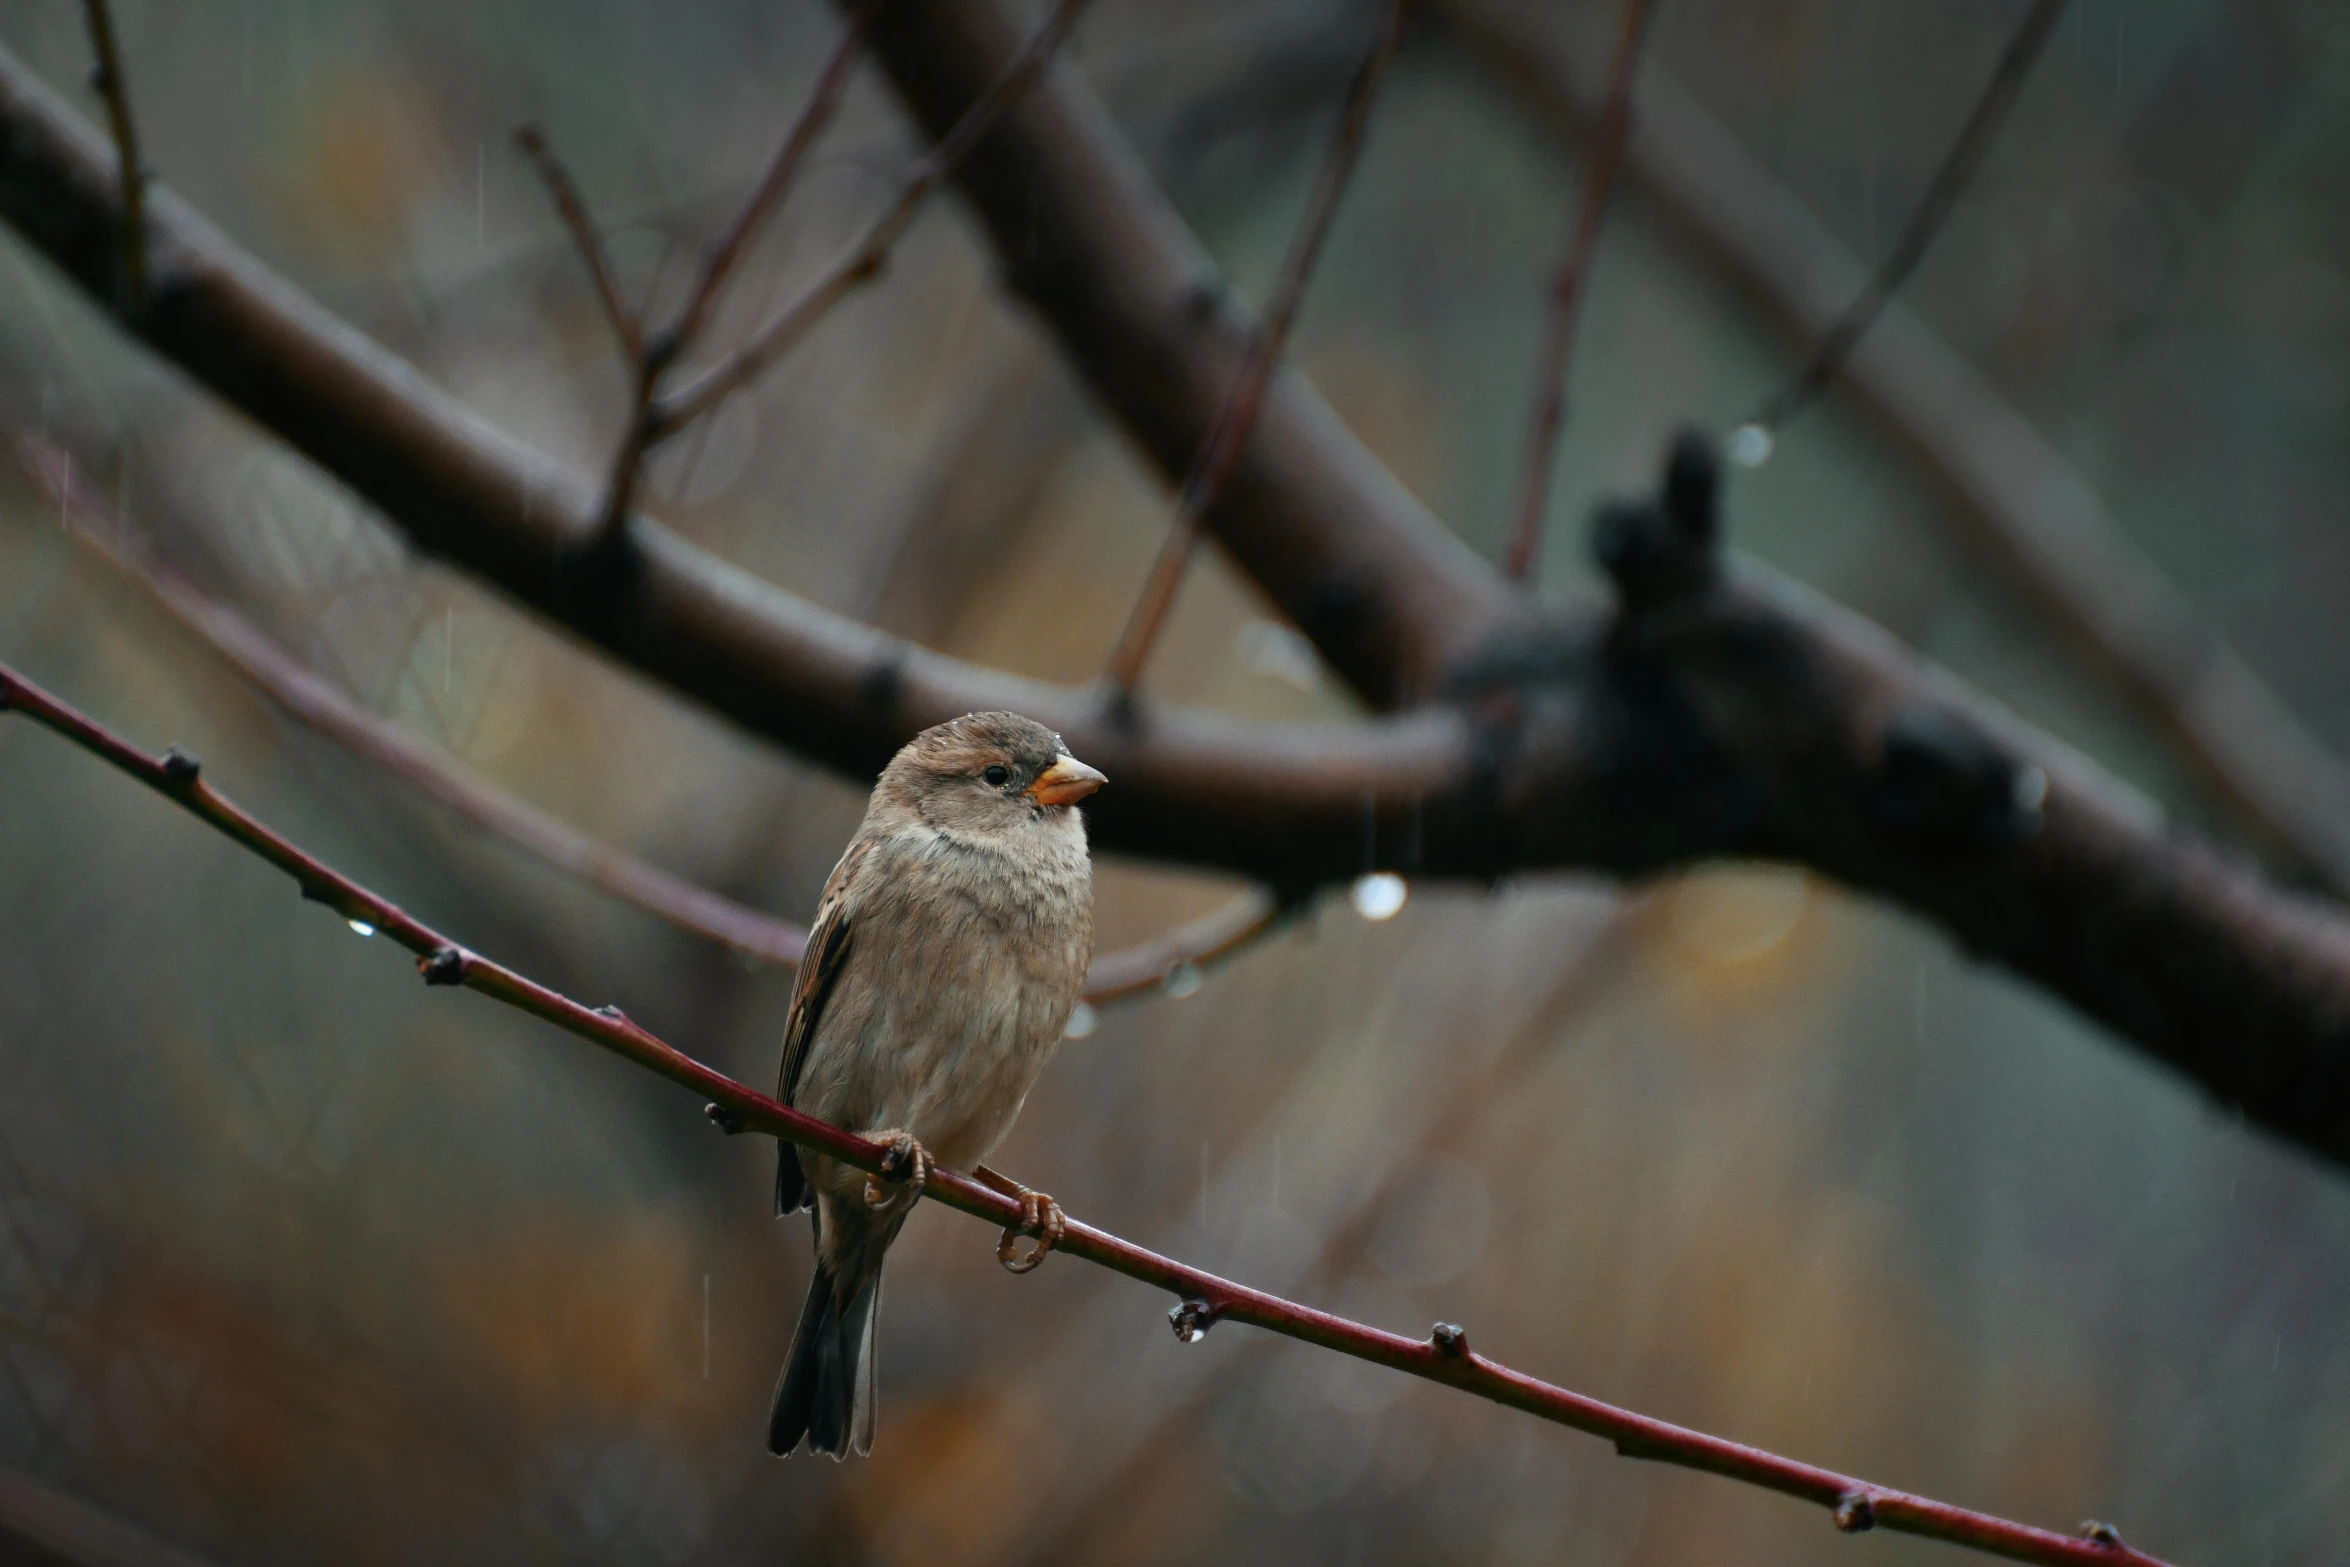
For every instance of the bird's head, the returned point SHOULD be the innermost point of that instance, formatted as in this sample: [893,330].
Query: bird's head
[988,775]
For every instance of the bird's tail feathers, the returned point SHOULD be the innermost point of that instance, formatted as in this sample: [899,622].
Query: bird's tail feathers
[826,1396]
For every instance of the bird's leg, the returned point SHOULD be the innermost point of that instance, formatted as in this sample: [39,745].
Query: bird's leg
[905,1160]
[1040,1216]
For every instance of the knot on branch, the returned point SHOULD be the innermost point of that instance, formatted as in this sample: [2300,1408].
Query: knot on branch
[1191,1319]
[1855,1513]
[599,577]
[446,966]
[180,768]
[1122,710]
[881,686]
[1947,787]
[1665,549]
[1450,1340]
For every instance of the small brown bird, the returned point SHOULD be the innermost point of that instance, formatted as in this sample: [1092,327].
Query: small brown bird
[949,948]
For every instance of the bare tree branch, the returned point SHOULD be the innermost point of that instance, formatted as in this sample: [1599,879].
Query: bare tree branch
[1147,967]
[1719,711]
[1129,973]
[1203,1299]
[1084,236]
[1949,183]
[780,666]
[585,238]
[863,264]
[115,88]
[1098,1471]
[1566,293]
[651,362]
[303,696]
[2018,501]
[768,194]
[1237,418]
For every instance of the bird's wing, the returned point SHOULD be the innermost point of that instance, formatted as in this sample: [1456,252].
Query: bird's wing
[820,969]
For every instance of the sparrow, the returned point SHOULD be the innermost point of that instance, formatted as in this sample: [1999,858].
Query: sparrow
[948,951]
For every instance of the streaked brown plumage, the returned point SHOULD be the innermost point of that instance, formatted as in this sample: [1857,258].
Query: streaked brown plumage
[949,948]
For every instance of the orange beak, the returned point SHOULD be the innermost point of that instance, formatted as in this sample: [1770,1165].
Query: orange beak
[1064,783]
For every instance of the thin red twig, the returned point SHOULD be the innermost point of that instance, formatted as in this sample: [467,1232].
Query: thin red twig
[1566,292]
[1950,182]
[863,264]
[1429,1126]
[112,86]
[1221,453]
[1130,973]
[1148,967]
[1204,1299]
[585,237]
[304,697]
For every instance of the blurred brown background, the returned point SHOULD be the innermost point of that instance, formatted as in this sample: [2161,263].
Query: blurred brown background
[299,1261]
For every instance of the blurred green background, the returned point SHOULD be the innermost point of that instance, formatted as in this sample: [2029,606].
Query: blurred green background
[300,1261]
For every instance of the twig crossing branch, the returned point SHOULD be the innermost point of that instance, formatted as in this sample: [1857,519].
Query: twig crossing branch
[1203,1299]
[107,77]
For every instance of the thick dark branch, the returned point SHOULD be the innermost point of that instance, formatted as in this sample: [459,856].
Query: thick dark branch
[1566,294]
[1085,237]
[1203,1299]
[1728,711]
[1723,713]
[2024,508]
[1238,416]
[1195,787]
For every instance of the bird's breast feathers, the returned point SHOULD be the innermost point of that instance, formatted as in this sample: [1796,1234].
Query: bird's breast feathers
[964,966]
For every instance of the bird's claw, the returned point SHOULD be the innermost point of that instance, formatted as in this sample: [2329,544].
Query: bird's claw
[904,1161]
[1040,1217]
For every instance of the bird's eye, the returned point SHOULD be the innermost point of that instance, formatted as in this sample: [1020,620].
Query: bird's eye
[997,774]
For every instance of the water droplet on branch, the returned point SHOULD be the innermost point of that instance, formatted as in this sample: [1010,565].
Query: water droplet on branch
[1379,895]
[1750,446]
[1181,980]
[1082,1021]
[361,927]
